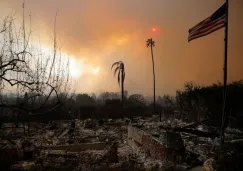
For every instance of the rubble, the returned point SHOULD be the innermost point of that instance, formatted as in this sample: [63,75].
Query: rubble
[169,145]
[90,123]
[24,165]
[9,154]
[77,147]
[121,144]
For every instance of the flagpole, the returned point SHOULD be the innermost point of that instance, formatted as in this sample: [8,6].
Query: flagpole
[224,115]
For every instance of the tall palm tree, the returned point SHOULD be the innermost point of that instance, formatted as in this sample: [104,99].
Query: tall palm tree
[150,43]
[121,76]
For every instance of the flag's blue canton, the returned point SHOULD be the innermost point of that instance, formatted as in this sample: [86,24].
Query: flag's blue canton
[219,13]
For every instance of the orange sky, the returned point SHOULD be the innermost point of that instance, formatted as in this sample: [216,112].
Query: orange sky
[100,32]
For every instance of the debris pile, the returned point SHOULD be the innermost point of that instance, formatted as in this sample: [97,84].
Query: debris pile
[122,144]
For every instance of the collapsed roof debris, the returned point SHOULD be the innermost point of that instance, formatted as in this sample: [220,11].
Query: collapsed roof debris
[137,144]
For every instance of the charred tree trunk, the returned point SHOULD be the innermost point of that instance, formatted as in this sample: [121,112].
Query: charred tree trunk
[122,85]
[153,74]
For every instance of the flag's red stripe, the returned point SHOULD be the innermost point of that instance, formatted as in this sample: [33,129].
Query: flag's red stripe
[215,22]
[206,33]
[206,24]
[199,25]
[222,22]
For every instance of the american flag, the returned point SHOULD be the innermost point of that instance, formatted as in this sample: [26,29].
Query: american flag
[209,25]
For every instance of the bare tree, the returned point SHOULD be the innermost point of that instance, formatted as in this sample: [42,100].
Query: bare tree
[36,75]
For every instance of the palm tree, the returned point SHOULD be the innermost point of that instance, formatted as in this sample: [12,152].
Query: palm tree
[121,76]
[150,43]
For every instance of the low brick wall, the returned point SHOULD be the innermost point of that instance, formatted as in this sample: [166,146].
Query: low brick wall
[150,144]
[154,147]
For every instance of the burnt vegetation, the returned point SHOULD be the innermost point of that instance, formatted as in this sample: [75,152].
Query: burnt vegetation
[193,104]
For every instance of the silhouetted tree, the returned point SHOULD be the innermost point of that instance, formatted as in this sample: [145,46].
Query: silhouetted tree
[150,43]
[198,102]
[84,100]
[93,96]
[114,95]
[169,101]
[104,96]
[70,103]
[120,77]
[136,100]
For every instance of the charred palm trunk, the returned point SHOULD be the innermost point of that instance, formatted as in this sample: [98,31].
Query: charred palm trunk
[122,85]
[121,77]
[151,44]
[153,73]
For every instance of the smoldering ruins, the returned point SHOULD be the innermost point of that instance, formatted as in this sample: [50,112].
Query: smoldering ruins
[143,143]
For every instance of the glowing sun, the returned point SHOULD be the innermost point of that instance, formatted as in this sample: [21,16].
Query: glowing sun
[75,68]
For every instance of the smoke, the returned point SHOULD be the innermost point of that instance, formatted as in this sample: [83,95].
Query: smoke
[98,33]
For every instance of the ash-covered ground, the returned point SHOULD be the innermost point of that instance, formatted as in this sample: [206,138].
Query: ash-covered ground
[104,145]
